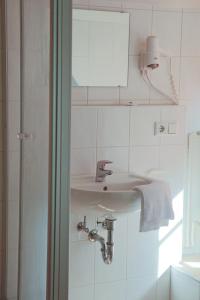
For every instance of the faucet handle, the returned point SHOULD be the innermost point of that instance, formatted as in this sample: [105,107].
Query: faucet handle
[107,223]
[107,162]
[103,163]
[82,226]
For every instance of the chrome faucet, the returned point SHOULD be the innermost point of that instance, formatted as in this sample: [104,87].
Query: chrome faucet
[101,173]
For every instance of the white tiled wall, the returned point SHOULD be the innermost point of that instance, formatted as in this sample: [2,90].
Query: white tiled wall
[125,135]
[177,31]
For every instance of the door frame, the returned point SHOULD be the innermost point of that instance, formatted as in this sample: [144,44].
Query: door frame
[59,200]
[3,258]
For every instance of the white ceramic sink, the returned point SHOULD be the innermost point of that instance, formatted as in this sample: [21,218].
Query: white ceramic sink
[115,195]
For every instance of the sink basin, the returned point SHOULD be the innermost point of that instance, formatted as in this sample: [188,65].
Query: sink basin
[115,195]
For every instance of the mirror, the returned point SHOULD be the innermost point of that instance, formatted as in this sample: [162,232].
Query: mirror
[100,48]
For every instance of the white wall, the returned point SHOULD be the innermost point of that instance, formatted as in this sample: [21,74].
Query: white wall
[125,135]
[177,30]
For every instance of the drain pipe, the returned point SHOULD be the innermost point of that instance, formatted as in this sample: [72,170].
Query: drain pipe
[107,248]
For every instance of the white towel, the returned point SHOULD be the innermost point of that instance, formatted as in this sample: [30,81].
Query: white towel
[156,206]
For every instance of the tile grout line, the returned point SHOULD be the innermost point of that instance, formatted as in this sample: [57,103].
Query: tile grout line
[126,147]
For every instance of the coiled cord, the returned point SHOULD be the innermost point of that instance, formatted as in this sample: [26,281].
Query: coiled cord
[147,79]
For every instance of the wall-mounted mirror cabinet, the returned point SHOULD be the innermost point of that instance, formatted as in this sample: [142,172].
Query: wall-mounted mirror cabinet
[100,48]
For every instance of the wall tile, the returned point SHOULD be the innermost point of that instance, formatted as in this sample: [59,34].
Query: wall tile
[141,289]
[115,290]
[190,42]
[83,161]
[167,26]
[140,29]
[190,77]
[174,114]
[113,127]
[82,293]
[83,127]
[142,126]
[119,156]
[144,159]
[137,88]
[80,3]
[81,263]
[104,3]
[137,5]
[142,260]
[106,95]
[172,160]
[160,77]
[167,6]
[79,95]
[191,9]
[192,115]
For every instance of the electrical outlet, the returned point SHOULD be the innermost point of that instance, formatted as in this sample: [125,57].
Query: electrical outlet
[172,128]
[161,128]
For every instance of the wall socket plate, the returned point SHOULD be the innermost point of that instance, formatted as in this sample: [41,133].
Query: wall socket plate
[165,128]
[161,128]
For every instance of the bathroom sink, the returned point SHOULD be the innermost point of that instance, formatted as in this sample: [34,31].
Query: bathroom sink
[115,195]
